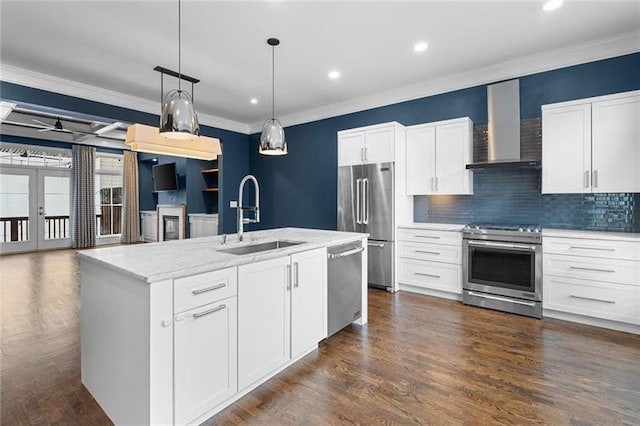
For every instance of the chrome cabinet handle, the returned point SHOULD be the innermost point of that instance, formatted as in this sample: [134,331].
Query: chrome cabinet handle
[432,183]
[426,251]
[427,275]
[377,245]
[366,153]
[580,268]
[361,154]
[436,183]
[594,179]
[586,178]
[427,236]
[288,277]
[591,299]
[204,290]
[591,248]
[296,281]
[210,311]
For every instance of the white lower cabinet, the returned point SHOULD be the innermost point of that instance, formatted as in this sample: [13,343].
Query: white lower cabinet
[205,358]
[264,315]
[593,280]
[280,313]
[430,261]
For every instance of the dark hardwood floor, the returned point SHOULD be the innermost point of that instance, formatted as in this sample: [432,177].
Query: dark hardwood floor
[420,360]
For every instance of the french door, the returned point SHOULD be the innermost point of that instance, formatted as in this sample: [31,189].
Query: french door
[35,205]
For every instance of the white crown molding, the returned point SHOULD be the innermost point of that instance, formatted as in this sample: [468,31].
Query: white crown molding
[618,45]
[50,83]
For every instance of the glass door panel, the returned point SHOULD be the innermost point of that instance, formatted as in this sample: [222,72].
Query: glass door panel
[17,210]
[54,206]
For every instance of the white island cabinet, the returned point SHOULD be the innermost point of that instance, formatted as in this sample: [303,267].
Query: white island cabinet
[281,312]
[173,332]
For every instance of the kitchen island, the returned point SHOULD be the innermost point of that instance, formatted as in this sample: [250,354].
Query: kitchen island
[173,332]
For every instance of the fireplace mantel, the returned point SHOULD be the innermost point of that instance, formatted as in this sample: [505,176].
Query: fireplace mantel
[176,210]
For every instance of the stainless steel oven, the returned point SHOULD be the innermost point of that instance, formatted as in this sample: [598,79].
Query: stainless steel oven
[502,268]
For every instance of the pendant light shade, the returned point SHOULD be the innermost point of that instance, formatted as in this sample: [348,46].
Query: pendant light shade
[272,141]
[272,138]
[178,119]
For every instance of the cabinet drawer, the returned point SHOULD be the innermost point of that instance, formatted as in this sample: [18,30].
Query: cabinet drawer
[592,268]
[622,250]
[429,236]
[433,275]
[198,290]
[592,298]
[428,251]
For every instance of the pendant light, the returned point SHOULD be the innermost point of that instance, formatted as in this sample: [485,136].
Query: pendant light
[272,140]
[178,119]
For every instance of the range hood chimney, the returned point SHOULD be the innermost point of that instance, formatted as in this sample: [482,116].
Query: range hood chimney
[503,150]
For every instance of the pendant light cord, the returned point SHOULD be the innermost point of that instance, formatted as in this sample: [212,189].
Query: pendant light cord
[273,82]
[179,52]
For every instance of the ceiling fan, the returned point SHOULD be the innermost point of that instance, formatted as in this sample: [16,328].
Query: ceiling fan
[56,127]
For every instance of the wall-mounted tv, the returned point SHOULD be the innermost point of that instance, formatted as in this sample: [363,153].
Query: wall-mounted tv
[165,177]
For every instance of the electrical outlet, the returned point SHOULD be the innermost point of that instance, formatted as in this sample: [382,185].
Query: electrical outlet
[233,204]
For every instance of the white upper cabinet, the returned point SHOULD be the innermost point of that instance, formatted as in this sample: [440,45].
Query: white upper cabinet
[592,145]
[566,149]
[421,159]
[437,156]
[616,145]
[367,145]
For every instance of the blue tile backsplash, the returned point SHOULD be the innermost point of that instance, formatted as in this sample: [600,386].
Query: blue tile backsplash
[513,197]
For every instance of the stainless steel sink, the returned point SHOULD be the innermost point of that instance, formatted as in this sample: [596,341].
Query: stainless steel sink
[256,248]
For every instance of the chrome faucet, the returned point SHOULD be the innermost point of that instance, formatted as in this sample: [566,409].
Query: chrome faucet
[241,219]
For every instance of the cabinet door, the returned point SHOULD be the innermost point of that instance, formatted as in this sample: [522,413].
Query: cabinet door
[566,149]
[379,145]
[264,317]
[350,148]
[616,145]
[453,152]
[307,316]
[421,156]
[205,363]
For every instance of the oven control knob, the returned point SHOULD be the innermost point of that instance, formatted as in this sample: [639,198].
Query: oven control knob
[520,229]
[528,229]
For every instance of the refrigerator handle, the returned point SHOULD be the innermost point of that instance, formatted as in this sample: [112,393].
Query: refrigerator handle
[358,206]
[365,201]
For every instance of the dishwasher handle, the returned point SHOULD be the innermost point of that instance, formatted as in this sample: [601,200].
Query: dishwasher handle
[345,253]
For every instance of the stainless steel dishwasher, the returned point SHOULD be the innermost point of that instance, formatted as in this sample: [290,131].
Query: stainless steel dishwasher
[344,285]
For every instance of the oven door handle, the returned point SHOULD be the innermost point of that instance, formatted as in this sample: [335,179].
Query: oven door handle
[501,245]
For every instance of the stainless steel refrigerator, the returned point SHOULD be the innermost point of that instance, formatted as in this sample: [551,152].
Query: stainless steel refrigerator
[365,204]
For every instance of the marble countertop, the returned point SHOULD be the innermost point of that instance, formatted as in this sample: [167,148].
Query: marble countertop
[433,226]
[174,259]
[592,235]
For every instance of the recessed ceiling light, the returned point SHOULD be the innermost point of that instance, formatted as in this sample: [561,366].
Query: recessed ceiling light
[254,101]
[420,47]
[334,75]
[552,5]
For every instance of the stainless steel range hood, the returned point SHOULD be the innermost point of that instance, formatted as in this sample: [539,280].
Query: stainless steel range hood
[503,150]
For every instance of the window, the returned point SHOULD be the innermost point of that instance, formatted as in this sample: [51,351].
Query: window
[108,195]
[33,156]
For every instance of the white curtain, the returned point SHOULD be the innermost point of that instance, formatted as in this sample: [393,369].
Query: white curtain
[130,207]
[83,212]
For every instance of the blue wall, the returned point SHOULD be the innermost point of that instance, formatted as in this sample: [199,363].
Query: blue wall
[300,189]
[235,160]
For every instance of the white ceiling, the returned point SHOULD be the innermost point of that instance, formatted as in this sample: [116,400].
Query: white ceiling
[115,45]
